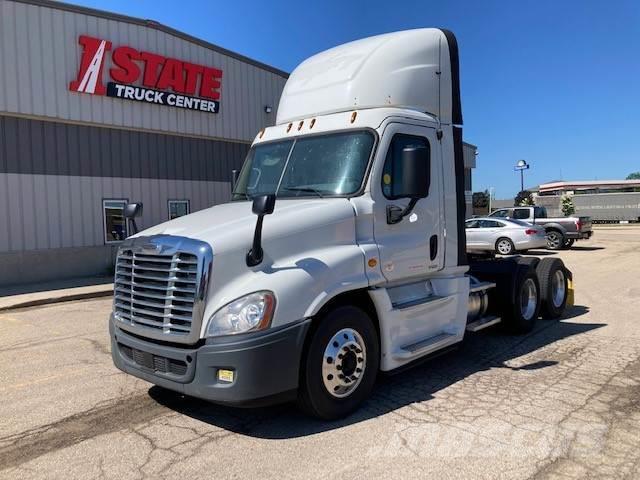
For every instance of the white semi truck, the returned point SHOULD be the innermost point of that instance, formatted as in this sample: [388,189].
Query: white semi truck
[341,253]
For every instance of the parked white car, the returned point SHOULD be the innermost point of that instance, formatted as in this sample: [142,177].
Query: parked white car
[503,236]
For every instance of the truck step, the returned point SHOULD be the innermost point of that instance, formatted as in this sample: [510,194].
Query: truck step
[480,286]
[432,343]
[484,322]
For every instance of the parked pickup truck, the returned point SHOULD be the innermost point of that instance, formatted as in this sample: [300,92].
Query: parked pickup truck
[561,232]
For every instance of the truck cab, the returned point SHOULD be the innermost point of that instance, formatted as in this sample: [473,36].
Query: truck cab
[341,253]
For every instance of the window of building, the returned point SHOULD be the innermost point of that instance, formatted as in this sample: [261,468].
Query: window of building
[178,208]
[392,171]
[115,226]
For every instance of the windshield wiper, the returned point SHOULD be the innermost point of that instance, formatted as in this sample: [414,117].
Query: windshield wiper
[305,189]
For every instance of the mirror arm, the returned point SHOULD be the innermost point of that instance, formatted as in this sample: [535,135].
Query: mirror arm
[255,255]
[134,227]
[395,214]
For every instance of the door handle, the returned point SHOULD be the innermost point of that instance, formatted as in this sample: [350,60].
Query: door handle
[433,247]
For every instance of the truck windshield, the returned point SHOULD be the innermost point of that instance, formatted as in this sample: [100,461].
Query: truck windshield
[331,165]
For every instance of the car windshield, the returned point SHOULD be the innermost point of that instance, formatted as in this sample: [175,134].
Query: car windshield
[331,165]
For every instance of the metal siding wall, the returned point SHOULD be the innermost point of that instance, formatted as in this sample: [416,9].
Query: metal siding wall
[40,55]
[54,176]
[82,217]
[43,147]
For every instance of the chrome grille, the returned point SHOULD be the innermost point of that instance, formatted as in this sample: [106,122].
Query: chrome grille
[158,287]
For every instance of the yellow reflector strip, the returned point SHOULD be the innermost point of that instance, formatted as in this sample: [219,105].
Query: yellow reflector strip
[570,293]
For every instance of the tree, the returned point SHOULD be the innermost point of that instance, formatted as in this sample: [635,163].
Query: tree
[567,206]
[481,199]
[634,176]
[524,199]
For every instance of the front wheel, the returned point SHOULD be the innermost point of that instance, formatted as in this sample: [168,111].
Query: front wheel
[341,364]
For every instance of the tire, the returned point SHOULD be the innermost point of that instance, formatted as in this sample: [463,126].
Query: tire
[344,330]
[555,240]
[568,243]
[504,246]
[554,287]
[522,310]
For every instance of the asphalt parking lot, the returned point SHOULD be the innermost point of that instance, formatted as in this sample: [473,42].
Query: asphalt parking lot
[561,402]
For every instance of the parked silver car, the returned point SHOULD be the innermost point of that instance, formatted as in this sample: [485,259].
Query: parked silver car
[504,236]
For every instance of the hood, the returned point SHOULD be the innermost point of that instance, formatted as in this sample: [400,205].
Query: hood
[231,225]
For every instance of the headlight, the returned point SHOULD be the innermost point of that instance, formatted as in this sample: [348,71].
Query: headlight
[246,314]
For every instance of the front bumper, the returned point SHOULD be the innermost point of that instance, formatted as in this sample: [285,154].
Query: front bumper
[265,364]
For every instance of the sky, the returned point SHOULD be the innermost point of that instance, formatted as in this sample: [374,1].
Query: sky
[553,82]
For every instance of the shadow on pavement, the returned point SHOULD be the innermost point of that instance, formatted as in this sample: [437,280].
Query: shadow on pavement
[540,253]
[586,249]
[479,352]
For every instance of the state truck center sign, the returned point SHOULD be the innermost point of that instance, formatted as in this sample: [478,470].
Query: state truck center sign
[147,77]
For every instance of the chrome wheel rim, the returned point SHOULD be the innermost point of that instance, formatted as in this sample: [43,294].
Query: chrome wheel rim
[344,363]
[553,240]
[504,247]
[528,299]
[558,289]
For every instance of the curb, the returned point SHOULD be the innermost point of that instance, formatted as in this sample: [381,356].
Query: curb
[50,300]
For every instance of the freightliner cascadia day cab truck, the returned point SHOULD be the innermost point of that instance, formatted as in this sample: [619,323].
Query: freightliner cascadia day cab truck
[341,253]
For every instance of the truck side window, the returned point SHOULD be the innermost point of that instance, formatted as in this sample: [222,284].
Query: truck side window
[391,170]
[540,212]
[500,213]
[521,213]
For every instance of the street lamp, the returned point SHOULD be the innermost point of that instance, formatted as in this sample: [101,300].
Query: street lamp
[522,165]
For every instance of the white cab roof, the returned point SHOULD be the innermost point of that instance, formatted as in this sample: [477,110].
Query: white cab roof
[412,69]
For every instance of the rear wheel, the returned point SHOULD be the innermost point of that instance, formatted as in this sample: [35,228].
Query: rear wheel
[554,287]
[522,312]
[341,364]
[555,240]
[504,246]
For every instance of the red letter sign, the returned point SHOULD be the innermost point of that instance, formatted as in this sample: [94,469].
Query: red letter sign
[90,75]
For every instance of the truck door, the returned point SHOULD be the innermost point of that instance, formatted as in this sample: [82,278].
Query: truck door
[414,246]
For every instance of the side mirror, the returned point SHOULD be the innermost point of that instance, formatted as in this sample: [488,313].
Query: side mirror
[130,212]
[262,205]
[413,178]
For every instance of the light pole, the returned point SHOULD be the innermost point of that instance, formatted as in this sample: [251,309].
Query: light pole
[491,189]
[522,165]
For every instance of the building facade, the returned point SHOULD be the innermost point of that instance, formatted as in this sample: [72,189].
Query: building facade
[99,109]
